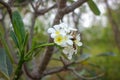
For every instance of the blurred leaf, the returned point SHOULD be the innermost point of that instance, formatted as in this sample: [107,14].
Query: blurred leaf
[9,66]
[93,7]
[6,47]
[84,57]
[18,26]
[82,72]
[107,54]
[5,64]
[14,38]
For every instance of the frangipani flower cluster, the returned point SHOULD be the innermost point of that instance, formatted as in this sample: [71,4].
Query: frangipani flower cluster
[65,37]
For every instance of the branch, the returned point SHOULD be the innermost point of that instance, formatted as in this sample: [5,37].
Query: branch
[114,25]
[10,2]
[33,6]
[73,6]
[7,7]
[27,72]
[35,14]
[43,11]
[58,69]
[85,78]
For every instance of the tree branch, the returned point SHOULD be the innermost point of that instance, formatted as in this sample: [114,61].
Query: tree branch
[114,25]
[27,72]
[73,6]
[58,69]
[85,78]
[7,7]
[43,11]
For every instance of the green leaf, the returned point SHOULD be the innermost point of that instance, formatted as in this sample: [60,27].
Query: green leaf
[107,54]
[14,38]
[82,72]
[6,47]
[25,40]
[93,7]
[9,66]
[5,64]
[18,26]
[83,57]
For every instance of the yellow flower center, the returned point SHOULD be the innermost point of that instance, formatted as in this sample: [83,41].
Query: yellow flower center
[59,39]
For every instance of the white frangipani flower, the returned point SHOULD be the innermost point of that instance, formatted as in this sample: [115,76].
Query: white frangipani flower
[65,37]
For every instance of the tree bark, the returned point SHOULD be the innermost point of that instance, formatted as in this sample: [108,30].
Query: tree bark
[114,25]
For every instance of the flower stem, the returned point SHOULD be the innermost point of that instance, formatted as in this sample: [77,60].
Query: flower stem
[18,70]
[40,46]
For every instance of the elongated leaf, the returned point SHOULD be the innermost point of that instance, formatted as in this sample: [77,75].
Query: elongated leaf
[6,47]
[107,54]
[5,64]
[14,38]
[25,40]
[93,7]
[83,57]
[18,26]
[9,66]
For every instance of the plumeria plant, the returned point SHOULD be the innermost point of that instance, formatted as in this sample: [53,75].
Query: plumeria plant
[62,35]
[66,37]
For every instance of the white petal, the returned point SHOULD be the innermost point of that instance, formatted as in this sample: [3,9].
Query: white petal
[63,25]
[64,44]
[72,29]
[79,43]
[57,27]
[62,32]
[51,30]
[78,37]
[53,35]
[69,36]
[70,57]
[75,51]
[70,42]
[65,51]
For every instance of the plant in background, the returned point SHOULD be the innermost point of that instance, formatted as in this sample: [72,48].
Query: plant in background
[62,35]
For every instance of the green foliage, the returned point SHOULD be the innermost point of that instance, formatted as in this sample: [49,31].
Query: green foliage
[14,39]
[93,7]
[6,47]
[5,64]
[84,57]
[106,54]
[18,27]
